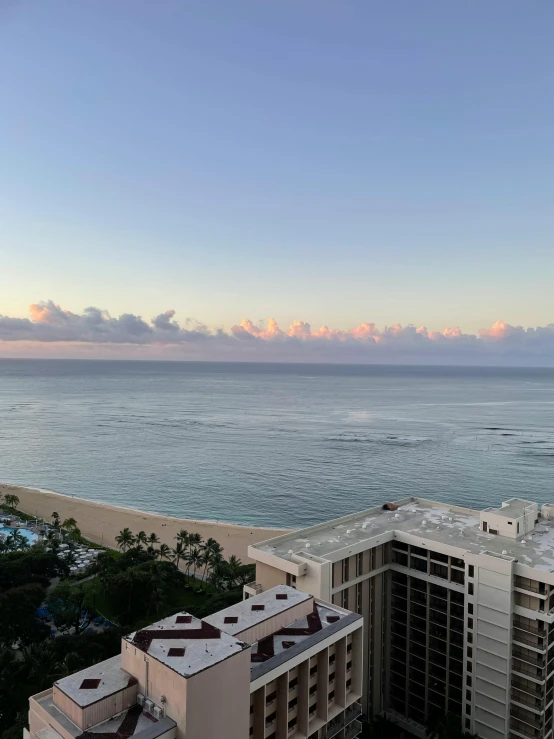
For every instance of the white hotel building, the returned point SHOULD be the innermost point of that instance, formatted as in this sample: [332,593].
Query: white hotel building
[281,665]
[457,606]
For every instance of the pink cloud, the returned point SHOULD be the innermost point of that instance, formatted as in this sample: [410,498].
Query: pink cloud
[53,331]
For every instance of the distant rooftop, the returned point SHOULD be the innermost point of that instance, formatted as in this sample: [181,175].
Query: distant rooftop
[185,643]
[439,522]
[96,682]
[138,724]
[248,613]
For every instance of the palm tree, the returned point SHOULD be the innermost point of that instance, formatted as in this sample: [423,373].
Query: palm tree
[183,537]
[164,552]
[217,571]
[56,520]
[232,571]
[195,559]
[142,538]
[178,552]
[153,539]
[195,540]
[125,539]
[211,548]
[69,524]
[12,501]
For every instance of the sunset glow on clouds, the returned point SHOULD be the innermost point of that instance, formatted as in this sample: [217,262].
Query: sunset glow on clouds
[53,331]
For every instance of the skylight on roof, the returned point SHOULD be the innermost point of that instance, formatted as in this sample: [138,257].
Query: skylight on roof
[230,620]
[90,684]
[281,596]
[258,607]
[176,652]
[183,620]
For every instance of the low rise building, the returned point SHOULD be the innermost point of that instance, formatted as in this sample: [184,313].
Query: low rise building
[280,665]
[458,608]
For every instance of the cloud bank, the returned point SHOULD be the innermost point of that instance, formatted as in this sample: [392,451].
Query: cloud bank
[53,331]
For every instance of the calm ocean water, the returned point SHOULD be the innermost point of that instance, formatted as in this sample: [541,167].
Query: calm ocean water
[282,445]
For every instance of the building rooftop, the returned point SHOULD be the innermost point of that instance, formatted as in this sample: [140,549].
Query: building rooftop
[290,641]
[131,723]
[432,521]
[514,508]
[185,643]
[96,682]
[248,613]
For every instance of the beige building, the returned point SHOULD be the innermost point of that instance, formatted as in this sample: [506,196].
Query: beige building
[280,665]
[458,608]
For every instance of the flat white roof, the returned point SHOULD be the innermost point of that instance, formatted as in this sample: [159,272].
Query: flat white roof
[266,605]
[514,508]
[96,682]
[186,644]
[430,520]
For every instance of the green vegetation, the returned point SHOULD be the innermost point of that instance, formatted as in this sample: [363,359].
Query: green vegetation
[129,589]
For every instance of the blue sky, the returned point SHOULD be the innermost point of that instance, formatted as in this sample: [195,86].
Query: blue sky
[334,162]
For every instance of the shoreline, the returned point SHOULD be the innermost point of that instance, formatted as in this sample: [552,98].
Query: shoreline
[101,521]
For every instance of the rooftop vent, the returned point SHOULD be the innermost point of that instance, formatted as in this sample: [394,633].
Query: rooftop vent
[291,551]
[281,596]
[332,619]
[176,652]
[183,620]
[258,607]
[230,620]
[90,684]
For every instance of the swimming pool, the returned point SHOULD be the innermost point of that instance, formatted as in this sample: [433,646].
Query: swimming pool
[29,535]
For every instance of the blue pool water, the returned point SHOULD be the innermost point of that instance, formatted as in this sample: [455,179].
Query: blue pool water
[29,535]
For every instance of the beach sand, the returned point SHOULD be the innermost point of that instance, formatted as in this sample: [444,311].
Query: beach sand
[101,522]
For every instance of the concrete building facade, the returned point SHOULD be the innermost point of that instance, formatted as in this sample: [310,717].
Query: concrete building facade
[280,665]
[458,608]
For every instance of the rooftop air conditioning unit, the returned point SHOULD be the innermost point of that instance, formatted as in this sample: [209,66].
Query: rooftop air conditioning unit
[158,712]
[140,699]
[148,706]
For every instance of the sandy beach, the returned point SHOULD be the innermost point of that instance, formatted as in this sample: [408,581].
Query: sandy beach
[101,522]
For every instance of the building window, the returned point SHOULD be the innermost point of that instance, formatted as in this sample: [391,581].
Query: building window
[468,680]
[292,724]
[468,724]
[313,689]
[471,570]
[470,652]
[270,698]
[293,683]
[293,703]
[331,677]
[349,648]
[291,580]
[470,622]
[313,670]
[468,707]
[470,608]
[469,666]
[345,570]
[348,665]
[470,588]
[332,660]
[271,718]
[331,696]
[348,684]
[359,564]
[468,695]
[470,637]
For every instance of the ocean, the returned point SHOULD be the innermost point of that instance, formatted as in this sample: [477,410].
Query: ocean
[275,444]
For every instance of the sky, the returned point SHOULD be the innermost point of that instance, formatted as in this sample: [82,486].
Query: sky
[332,163]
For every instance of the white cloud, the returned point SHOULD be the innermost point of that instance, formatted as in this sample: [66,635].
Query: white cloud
[162,336]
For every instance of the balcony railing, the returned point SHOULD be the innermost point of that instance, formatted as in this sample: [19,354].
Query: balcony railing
[530,627]
[343,719]
[527,717]
[353,730]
